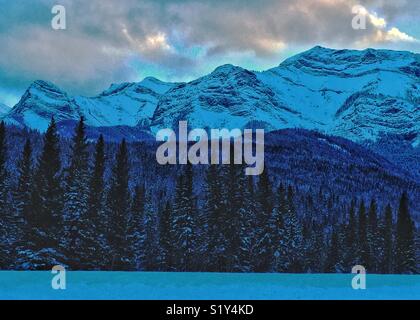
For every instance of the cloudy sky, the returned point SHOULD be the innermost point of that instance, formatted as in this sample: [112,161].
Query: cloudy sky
[108,41]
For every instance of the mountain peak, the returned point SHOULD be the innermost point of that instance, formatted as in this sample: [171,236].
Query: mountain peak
[368,52]
[156,85]
[150,83]
[353,93]
[319,49]
[151,79]
[343,62]
[43,85]
[116,88]
[227,68]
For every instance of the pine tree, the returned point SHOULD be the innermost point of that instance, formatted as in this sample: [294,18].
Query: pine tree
[234,184]
[315,249]
[79,229]
[24,187]
[214,210]
[135,233]
[46,202]
[22,198]
[333,256]
[247,233]
[264,199]
[184,223]
[388,241]
[202,239]
[165,238]
[351,239]
[150,240]
[277,230]
[373,238]
[405,254]
[97,184]
[293,236]
[96,208]
[363,248]
[118,206]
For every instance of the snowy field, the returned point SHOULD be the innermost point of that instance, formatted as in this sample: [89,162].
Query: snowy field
[202,286]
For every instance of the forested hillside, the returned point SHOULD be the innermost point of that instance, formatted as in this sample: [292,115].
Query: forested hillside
[322,204]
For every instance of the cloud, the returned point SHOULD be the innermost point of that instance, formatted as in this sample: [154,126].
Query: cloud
[104,39]
[381,34]
[235,27]
[396,35]
[394,10]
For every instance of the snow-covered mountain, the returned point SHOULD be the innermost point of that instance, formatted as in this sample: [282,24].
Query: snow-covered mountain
[356,94]
[229,97]
[126,104]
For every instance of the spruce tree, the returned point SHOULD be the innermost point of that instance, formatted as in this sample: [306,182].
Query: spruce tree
[264,199]
[373,238]
[24,186]
[333,257]
[247,233]
[214,210]
[22,199]
[351,238]
[97,184]
[79,229]
[46,202]
[293,236]
[315,249]
[234,184]
[118,205]
[96,207]
[150,240]
[135,233]
[363,247]
[277,231]
[388,241]
[165,238]
[405,254]
[183,223]
[202,238]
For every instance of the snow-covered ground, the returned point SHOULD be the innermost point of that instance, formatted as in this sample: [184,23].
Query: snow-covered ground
[202,286]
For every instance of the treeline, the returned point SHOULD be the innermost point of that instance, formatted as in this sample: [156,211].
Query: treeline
[76,217]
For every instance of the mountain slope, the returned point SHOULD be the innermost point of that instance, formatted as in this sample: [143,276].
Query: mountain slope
[356,94]
[316,161]
[230,97]
[360,95]
[127,104]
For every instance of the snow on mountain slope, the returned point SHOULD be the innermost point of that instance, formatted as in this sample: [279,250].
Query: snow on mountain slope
[229,97]
[127,104]
[130,104]
[356,94]
[40,102]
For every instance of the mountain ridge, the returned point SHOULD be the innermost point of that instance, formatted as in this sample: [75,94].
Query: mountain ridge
[356,94]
